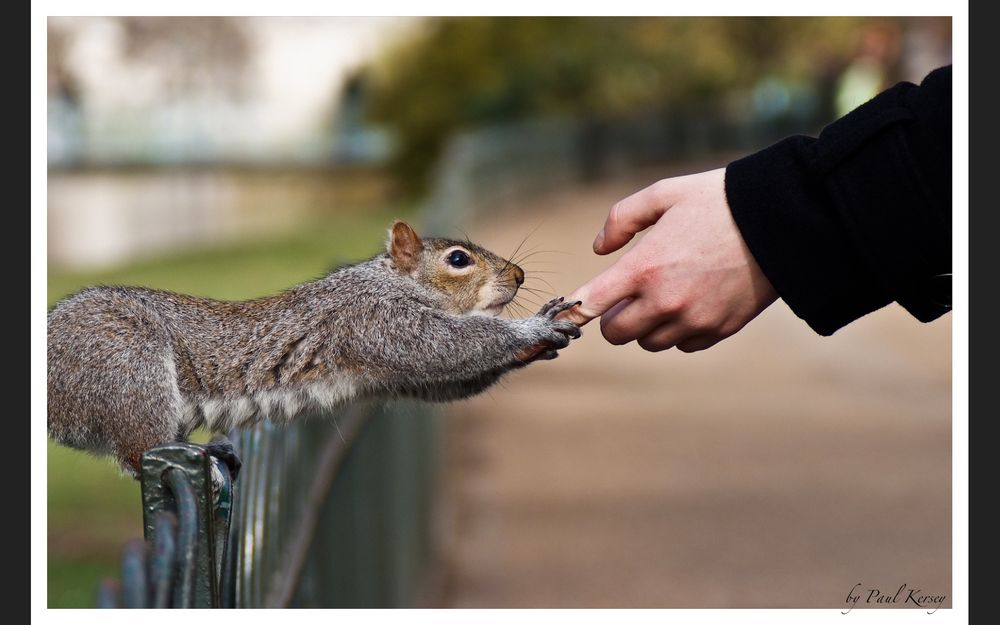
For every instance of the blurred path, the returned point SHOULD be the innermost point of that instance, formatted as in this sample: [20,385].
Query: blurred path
[777,469]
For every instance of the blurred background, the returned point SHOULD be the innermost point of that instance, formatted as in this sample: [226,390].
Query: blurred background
[233,157]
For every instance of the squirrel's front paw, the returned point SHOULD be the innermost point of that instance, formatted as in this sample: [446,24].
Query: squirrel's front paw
[559,331]
[554,334]
[553,307]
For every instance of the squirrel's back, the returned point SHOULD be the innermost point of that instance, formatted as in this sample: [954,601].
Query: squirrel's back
[117,355]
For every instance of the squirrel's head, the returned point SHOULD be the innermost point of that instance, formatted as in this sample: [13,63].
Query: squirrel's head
[471,278]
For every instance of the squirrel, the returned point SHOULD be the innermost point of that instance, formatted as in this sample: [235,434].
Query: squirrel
[130,368]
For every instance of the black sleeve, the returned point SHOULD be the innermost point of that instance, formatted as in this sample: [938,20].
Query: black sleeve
[859,217]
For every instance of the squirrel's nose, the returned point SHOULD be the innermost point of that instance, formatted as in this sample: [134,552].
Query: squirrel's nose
[518,276]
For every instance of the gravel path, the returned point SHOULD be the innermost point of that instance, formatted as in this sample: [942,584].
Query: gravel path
[777,469]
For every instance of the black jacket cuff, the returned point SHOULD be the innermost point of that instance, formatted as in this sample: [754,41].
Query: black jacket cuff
[860,217]
[797,238]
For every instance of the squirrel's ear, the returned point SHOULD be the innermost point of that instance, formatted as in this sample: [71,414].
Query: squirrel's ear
[404,246]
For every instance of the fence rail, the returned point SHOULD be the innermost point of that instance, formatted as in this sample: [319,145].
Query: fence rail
[333,512]
[486,168]
[186,497]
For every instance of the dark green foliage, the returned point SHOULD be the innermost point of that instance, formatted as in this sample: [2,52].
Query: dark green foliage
[458,73]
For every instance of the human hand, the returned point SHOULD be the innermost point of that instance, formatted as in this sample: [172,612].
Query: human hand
[690,282]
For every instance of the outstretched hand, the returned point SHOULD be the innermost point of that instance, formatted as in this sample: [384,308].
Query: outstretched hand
[691,281]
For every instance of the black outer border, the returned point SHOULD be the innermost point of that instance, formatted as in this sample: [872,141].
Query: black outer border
[983,310]
[983,307]
[17,311]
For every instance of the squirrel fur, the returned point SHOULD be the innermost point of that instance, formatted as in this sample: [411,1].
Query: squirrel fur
[131,368]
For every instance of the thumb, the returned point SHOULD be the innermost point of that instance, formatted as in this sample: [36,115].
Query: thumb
[634,214]
[598,295]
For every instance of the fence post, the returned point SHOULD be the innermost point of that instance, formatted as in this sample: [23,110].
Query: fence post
[176,478]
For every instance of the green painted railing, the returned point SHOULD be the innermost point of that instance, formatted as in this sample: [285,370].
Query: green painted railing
[336,511]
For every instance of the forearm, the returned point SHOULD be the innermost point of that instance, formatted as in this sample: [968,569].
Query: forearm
[449,390]
[432,347]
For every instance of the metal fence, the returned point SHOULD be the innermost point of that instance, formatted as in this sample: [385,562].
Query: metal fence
[487,168]
[334,512]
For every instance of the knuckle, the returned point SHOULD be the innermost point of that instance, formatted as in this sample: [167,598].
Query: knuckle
[669,304]
[700,325]
[652,345]
[661,188]
[698,343]
[729,328]
[672,307]
[722,331]
[643,275]
[613,335]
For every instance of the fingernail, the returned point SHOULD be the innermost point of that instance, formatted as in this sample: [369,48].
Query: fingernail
[599,241]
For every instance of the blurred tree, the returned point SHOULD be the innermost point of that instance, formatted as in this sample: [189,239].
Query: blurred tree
[462,72]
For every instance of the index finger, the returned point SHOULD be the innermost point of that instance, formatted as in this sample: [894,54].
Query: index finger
[599,295]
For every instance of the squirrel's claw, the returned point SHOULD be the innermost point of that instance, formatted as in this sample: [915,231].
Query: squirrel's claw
[556,306]
[549,354]
[568,328]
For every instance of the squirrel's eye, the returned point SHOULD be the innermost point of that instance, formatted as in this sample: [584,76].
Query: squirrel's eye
[458,258]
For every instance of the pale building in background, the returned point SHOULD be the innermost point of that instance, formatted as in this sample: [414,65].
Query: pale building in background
[277,102]
[266,92]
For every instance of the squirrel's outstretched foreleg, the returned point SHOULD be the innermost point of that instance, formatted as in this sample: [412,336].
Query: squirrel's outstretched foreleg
[479,350]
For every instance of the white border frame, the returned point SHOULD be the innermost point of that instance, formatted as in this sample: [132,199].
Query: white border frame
[960,338]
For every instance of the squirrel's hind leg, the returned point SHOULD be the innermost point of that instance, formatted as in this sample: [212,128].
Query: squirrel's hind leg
[129,452]
[220,447]
[155,415]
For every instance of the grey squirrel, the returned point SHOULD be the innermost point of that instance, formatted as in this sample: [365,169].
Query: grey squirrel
[131,368]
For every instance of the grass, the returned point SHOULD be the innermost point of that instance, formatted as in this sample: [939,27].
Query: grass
[242,270]
[92,510]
